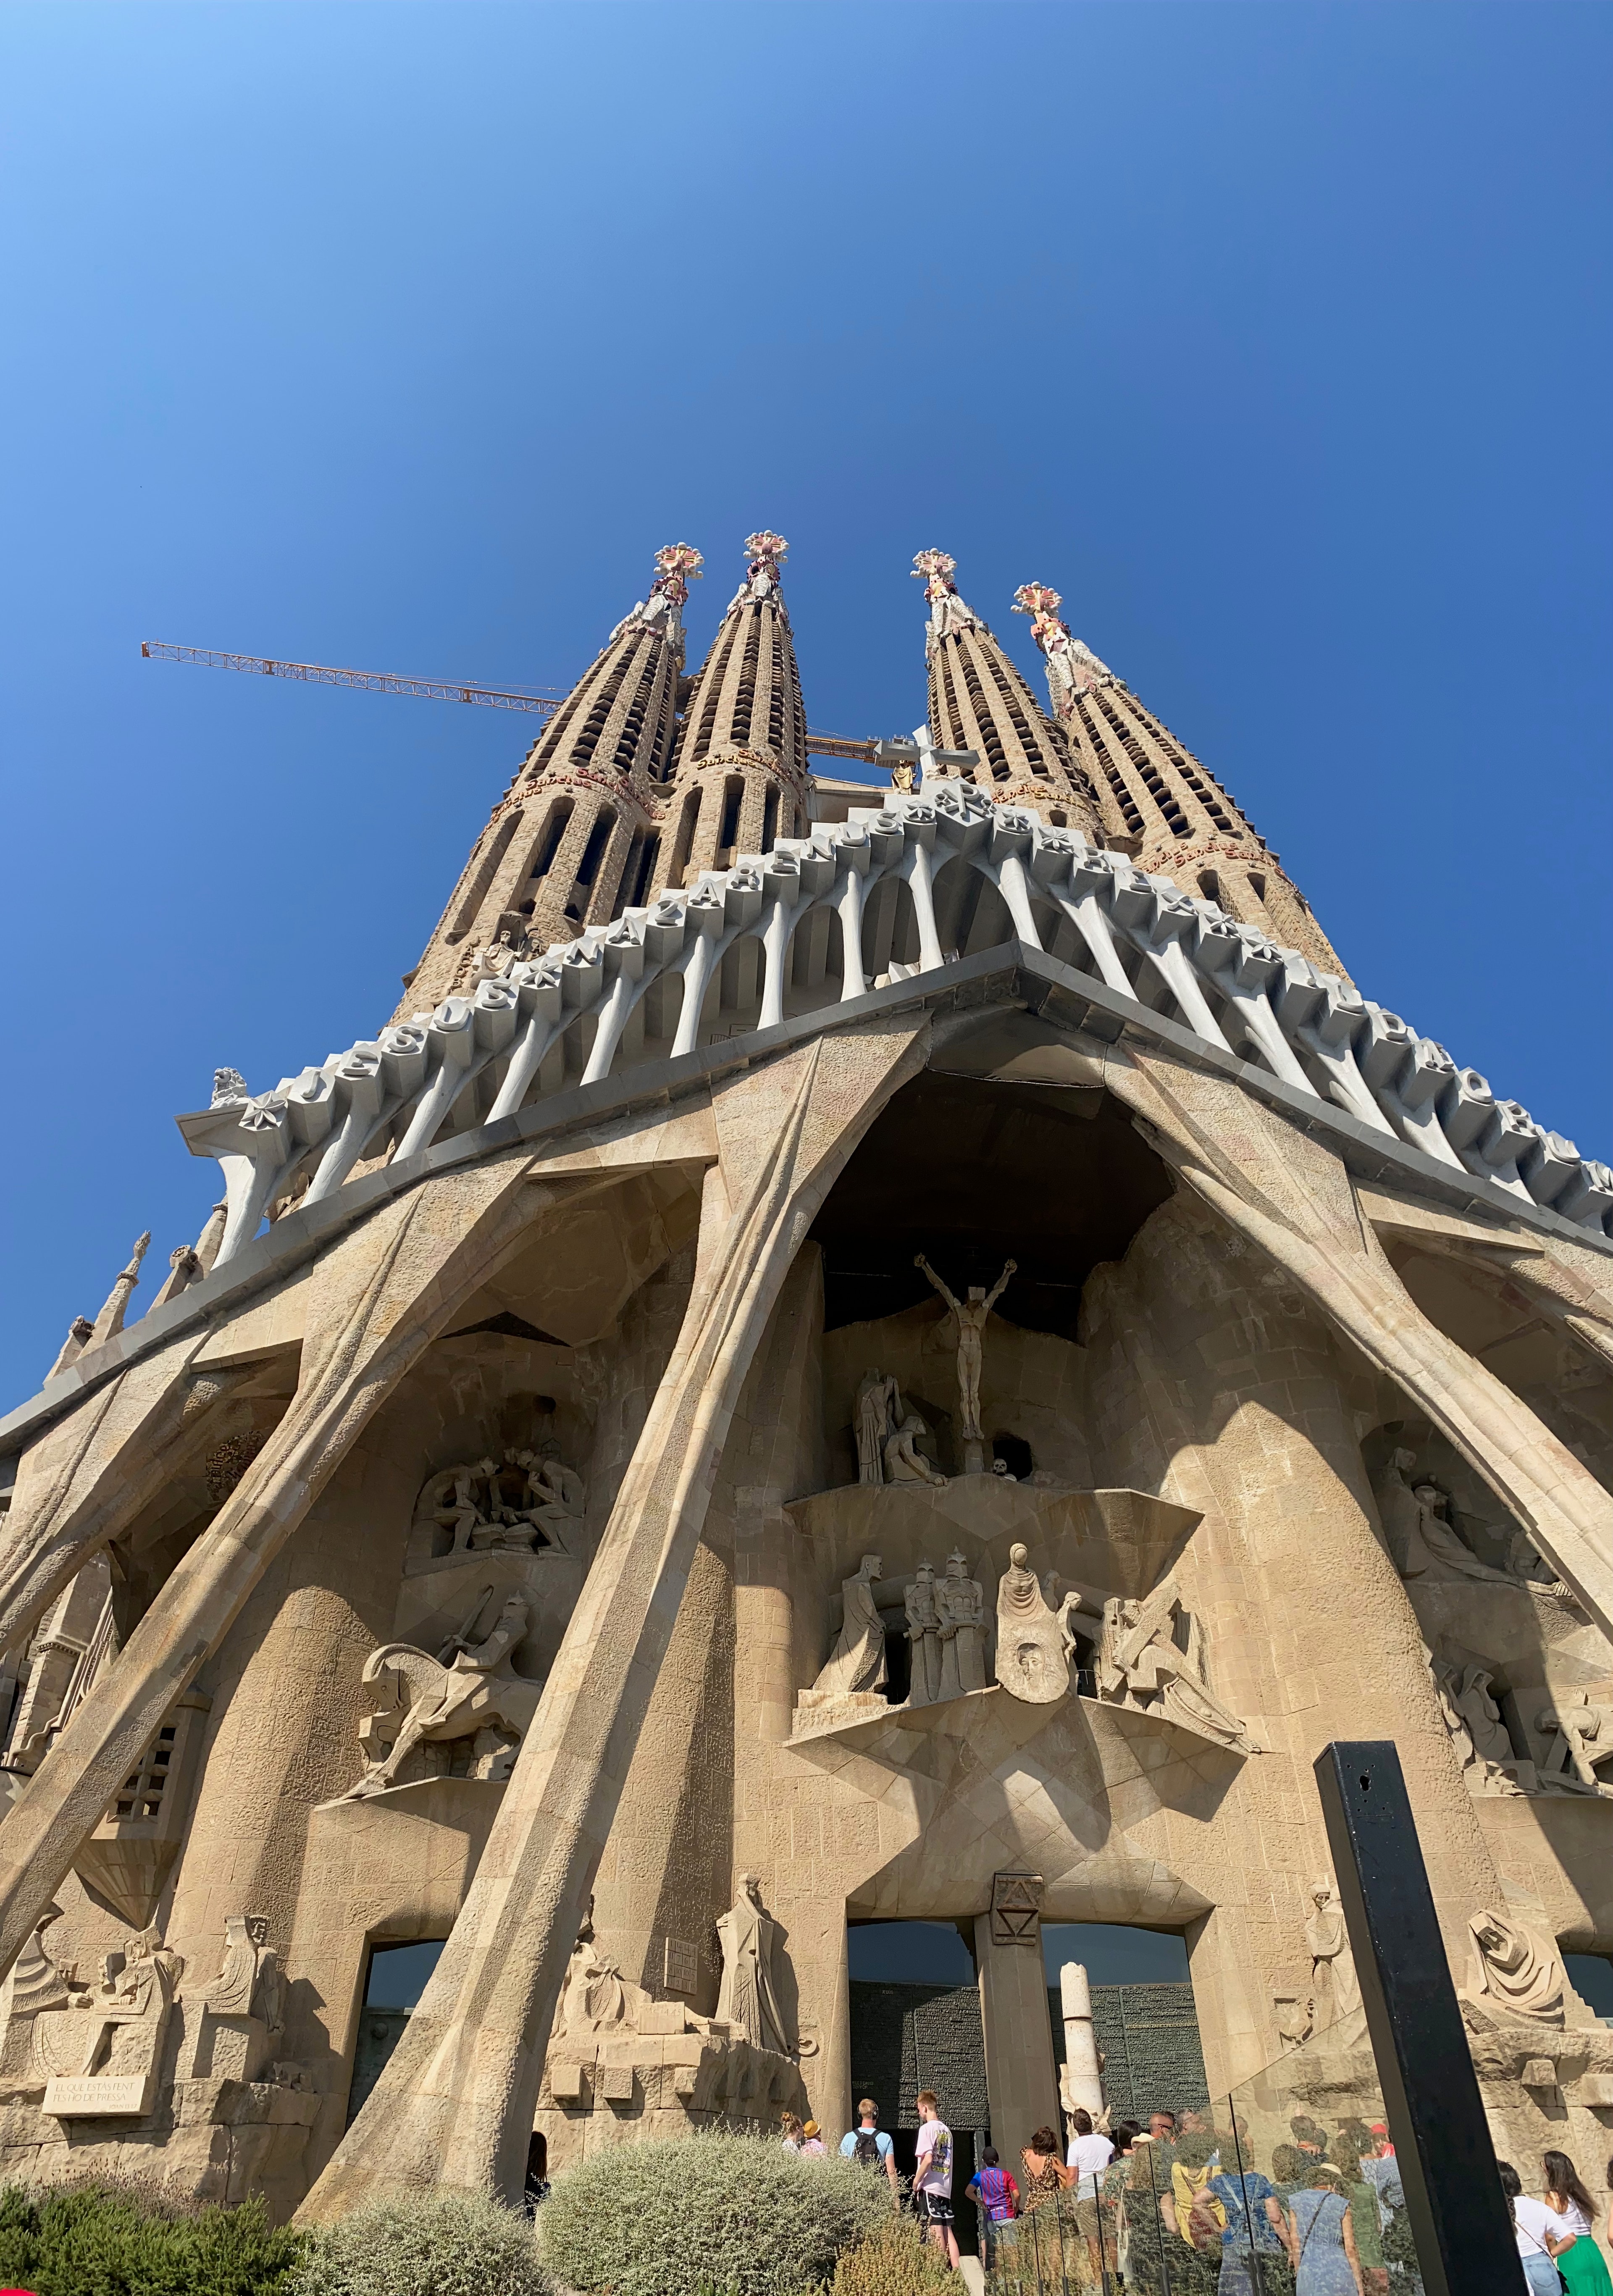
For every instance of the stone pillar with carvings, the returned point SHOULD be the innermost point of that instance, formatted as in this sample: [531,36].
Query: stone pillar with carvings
[1021,2080]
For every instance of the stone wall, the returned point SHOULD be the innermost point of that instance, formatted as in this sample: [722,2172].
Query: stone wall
[1152,2060]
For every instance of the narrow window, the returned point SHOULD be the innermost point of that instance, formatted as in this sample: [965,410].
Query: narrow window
[1209,885]
[1256,883]
[1059,818]
[727,835]
[548,844]
[684,843]
[770,820]
[645,876]
[587,868]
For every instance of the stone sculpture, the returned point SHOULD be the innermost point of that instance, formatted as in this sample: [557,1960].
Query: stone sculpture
[857,1660]
[243,2009]
[1582,1737]
[970,1315]
[1031,1661]
[878,1412]
[528,1499]
[1516,1972]
[1477,1733]
[595,1998]
[1419,1539]
[924,1636]
[1335,1988]
[477,1691]
[904,1461]
[747,2002]
[1141,1664]
[960,1602]
[99,2052]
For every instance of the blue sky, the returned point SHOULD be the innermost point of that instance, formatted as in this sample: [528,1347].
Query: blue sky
[1277,337]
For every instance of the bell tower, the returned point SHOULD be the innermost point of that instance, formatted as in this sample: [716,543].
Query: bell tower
[1156,801]
[978,700]
[739,777]
[574,837]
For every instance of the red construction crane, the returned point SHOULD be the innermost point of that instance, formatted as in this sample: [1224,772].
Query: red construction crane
[436,689]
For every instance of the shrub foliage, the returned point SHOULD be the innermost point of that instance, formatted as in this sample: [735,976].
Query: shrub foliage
[105,2240]
[735,2214]
[432,2245]
[894,2259]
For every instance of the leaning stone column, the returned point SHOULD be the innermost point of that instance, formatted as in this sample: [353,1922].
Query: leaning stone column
[380,1297]
[87,1477]
[1293,1196]
[454,2106]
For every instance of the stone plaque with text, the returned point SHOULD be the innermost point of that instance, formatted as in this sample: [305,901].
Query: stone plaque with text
[106,2093]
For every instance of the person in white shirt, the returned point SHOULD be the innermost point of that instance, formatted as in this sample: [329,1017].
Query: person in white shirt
[1089,2154]
[1568,2235]
[932,2177]
[1531,2221]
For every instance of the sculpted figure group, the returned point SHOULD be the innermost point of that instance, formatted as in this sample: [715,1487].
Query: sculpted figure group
[529,1500]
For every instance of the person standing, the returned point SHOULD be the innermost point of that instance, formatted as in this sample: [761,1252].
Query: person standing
[791,2134]
[812,2145]
[997,2198]
[869,2143]
[1089,2155]
[1568,2234]
[932,2177]
[1322,2237]
[1531,2221]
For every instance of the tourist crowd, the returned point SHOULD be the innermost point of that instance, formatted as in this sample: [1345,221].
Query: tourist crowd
[1181,2207]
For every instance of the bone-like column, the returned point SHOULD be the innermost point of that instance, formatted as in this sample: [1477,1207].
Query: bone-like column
[1079,2080]
[453,2107]
[380,1297]
[1294,1197]
[87,1477]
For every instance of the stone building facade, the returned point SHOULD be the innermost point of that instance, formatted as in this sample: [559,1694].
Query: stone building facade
[911,1353]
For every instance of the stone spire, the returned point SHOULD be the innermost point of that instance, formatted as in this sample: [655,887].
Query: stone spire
[978,700]
[574,837]
[740,772]
[1156,801]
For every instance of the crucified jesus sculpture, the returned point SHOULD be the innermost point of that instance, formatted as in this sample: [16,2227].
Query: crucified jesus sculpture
[970,1314]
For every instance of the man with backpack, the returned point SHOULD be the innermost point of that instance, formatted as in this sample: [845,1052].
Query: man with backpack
[869,2143]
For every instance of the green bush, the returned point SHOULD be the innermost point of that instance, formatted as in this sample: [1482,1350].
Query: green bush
[895,2259]
[735,2214]
[432,2245]
[107,2240]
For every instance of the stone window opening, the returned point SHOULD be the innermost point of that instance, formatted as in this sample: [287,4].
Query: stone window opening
[684,842]
[728,828]
[587,868]
[143,1788]
[1257,883]
[593,726]
[632,724]
[548,843]
[991,741]
[744,704]
[1209,885]
[770,819]
[483,876]
[639,879]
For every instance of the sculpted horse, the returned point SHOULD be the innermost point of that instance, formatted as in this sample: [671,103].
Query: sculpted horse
[444,1701]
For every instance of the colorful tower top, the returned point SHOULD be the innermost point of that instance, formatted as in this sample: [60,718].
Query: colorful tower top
[1156,801]
[978,700]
